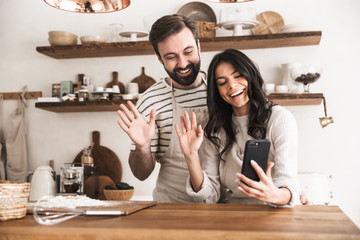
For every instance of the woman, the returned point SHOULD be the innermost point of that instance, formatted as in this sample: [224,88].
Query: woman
[239,111]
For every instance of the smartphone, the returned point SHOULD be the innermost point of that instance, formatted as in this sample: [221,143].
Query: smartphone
[257,150]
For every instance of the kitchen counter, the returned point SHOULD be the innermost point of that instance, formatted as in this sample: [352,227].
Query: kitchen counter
[196,221]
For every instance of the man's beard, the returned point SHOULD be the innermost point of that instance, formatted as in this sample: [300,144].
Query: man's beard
[185,81]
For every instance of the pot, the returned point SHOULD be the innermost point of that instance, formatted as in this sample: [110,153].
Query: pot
[43,182]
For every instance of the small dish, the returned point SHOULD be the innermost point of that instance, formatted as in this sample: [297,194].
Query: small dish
[133,35]
[127,96]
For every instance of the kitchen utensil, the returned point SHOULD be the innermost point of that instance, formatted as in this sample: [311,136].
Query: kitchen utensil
[115,30]
[49,216]
[62,41]
[61,34]
[43,182]
[117,194]
[239,26]
[270,23]
[46,215]
[133,35]
[306,75]
[106,161]
[198,11]
[115,81]
[144,81]
[88,39]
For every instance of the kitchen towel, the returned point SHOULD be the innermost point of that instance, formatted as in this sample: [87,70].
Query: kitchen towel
[17,163]
[2,143]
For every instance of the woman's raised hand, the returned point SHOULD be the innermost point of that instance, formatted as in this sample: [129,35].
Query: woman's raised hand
[190,135]
[139,131]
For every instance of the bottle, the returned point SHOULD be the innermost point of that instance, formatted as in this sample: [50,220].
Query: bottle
[90,189]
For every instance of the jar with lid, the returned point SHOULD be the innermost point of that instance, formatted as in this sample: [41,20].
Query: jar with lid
[83,95]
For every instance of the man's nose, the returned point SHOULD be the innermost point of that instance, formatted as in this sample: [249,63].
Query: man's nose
[182,61]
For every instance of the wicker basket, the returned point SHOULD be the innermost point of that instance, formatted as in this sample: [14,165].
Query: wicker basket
[206,29]
[13,200]
[119,195]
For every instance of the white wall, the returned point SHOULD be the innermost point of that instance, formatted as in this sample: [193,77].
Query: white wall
[24,25]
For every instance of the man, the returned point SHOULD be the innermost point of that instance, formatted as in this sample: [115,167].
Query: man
[151,126]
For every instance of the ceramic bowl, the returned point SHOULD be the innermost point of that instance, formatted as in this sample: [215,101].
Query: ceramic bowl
[62,41]
[93,39]
[55,34]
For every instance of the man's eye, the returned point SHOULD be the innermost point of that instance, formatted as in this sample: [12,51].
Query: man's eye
[169,57]
[188,52]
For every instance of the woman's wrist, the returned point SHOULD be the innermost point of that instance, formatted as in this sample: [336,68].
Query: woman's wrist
[282,196]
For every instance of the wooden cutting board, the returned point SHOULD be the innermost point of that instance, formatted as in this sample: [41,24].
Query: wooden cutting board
[106,161]
[270,22]
[115,81]
[143,81]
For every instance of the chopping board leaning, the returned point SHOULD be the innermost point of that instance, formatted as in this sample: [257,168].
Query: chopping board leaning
[270,23]
[143,81]
[107,163]
[115,81]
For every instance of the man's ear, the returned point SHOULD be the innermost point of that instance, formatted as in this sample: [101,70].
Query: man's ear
[198,45]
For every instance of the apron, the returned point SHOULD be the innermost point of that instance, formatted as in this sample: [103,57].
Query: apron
[2,145]
[173,174]
[17,165]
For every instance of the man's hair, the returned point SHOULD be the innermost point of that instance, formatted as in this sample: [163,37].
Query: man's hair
[169,25]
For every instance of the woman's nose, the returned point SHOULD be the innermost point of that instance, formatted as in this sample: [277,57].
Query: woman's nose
[232,84]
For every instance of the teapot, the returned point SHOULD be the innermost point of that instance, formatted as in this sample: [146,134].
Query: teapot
[43,182]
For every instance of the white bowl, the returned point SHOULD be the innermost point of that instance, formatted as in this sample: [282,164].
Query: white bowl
[127,96]
[93,39]
[62,41]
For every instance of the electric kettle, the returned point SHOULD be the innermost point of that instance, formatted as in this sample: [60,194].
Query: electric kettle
[42,182]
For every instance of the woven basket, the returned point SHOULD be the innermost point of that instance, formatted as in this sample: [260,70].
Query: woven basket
[206,29]
[119,195]
[13,200]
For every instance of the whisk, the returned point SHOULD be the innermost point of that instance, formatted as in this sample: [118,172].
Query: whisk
[46,215]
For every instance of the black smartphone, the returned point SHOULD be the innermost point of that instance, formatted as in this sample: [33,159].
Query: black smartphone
[257,150]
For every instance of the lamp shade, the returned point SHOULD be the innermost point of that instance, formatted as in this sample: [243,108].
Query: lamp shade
[229,1]
[89,6]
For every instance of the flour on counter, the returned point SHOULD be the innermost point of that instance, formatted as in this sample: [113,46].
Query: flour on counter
[72,202]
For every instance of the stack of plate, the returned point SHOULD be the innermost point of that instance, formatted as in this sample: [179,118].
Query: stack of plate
[13,200]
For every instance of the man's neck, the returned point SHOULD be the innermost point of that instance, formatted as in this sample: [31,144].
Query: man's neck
[195,84]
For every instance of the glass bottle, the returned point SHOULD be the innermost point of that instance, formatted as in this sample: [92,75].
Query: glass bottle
[90,190]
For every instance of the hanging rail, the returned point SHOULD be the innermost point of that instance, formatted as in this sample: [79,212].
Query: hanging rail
[15,95]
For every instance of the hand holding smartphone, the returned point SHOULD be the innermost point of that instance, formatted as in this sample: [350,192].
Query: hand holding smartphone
[257,150]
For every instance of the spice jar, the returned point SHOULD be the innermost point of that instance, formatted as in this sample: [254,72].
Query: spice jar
[83,95]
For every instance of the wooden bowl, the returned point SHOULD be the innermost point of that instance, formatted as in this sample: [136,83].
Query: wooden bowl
[119,195]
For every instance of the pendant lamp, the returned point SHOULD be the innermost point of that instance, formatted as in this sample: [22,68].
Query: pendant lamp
[229,1]
[89,6]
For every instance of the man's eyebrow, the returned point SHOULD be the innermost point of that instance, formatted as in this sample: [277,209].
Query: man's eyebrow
[171,53]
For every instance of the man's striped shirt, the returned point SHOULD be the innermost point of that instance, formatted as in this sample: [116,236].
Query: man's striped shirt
[159,97]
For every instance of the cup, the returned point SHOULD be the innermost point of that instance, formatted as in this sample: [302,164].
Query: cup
[281,89]
[116,89]
[99,89]
[269,88]
[115,30]
[132,88]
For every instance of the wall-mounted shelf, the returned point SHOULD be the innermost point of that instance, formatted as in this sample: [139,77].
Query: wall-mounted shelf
[89,106]
[284,99]
[207,44]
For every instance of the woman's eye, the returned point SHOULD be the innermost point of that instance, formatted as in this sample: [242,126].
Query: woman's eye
[221,83]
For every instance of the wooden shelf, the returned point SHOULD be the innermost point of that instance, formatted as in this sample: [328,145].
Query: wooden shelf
[284,99]
[294,99]
[207,44]
[89,106]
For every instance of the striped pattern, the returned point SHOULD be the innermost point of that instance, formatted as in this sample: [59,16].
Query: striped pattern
[158,97]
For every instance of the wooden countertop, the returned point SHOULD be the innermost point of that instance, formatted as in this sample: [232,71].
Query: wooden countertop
[196,221]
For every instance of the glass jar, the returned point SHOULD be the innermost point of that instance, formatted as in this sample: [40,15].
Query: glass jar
[83,95]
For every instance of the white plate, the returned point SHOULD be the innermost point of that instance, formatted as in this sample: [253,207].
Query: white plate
[298,28]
